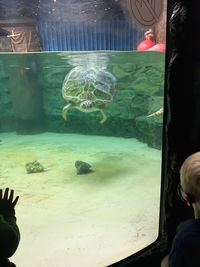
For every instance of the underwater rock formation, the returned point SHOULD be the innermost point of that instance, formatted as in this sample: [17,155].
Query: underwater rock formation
[34,167]
[82,167]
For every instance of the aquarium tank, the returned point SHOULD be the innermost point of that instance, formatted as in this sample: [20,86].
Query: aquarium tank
[81,118]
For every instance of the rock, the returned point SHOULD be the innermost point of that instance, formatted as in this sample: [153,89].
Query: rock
[34,167]
[82,167]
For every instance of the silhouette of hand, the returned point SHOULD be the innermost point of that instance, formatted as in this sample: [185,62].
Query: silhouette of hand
[7,201]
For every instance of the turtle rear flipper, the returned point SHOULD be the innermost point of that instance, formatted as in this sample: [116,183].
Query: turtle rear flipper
[64,111]
[104,117]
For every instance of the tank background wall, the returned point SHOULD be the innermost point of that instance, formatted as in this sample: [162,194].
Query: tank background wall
[7,121]
[21,98]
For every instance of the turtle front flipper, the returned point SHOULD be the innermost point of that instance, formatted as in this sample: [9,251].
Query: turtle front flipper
[64,111]
[104,117]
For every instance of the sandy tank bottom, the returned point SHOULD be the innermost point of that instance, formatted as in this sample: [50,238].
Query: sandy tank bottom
[90,220]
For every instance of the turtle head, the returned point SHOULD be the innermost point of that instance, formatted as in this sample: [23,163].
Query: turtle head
[86,104]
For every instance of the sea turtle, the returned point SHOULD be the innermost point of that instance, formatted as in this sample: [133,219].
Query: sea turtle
[88,90]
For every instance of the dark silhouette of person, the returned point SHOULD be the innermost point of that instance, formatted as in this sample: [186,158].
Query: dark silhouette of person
[9,231]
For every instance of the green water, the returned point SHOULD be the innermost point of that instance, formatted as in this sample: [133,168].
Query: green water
[31,99]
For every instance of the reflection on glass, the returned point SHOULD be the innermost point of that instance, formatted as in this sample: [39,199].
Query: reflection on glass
[67,25]
[89,181]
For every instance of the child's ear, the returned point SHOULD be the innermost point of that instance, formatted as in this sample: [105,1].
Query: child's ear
[189,198]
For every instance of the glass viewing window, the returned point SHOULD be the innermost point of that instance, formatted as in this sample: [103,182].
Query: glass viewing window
[81,119]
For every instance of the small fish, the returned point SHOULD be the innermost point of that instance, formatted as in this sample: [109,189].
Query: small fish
[156,113]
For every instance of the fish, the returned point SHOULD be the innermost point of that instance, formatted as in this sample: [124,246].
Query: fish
[156,113]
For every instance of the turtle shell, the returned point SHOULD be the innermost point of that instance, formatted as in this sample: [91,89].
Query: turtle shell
[92,84]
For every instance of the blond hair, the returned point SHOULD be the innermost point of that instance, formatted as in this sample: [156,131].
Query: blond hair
[190,175]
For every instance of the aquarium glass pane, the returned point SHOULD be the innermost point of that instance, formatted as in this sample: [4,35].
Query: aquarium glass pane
[81,117]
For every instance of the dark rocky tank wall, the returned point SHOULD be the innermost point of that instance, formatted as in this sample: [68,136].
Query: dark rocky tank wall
[21,96]
[139,92]
[7,122]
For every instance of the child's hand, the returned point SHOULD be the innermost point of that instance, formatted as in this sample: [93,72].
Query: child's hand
[7,201]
